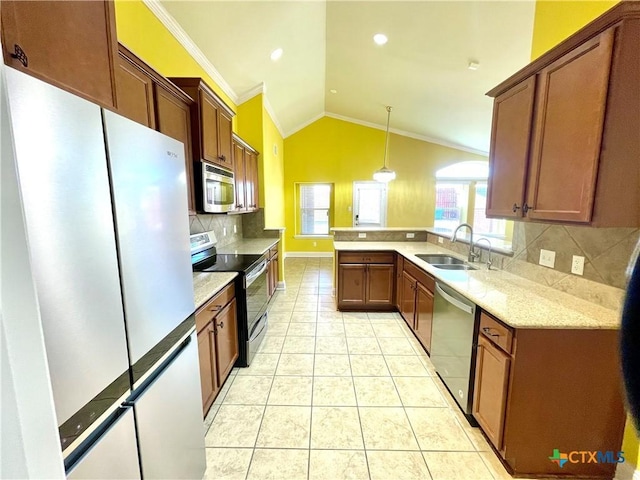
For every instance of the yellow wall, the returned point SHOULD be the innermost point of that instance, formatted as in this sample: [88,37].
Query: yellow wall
[141,32]
[272,193]
[556,20]
[339,152]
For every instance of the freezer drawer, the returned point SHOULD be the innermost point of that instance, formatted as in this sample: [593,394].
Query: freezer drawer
[115,455]
[169,420]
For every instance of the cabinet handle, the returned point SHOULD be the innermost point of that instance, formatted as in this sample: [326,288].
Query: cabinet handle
[515,207]
[526,208]
[215,308]
[222,157]
[487,330]
[220,325]
[20,55]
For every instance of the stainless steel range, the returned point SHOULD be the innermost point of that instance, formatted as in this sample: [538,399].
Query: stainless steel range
[252,293]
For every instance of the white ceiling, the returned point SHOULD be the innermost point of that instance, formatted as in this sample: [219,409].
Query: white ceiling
[422,71]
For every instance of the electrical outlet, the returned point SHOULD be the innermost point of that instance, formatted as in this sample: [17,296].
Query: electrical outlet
[547,258]
[362,235]
[235,229]
[224,231]
[440,240]
[411,235]
[577,265]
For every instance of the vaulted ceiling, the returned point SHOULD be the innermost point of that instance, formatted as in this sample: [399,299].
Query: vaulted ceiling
[328,46]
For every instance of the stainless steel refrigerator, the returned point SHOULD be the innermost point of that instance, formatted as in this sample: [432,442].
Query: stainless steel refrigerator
[105,205]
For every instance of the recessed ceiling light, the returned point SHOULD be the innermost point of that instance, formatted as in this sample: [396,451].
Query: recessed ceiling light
[333,90]
[380,38]
[276,54]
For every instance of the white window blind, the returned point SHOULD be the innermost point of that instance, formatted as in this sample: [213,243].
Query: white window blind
[315,201]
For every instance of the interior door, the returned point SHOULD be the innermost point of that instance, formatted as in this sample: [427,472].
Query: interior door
[369,204]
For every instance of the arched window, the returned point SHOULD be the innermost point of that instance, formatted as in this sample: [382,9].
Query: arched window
[461,196]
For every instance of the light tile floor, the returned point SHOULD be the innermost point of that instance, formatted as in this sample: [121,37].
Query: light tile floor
[335,396]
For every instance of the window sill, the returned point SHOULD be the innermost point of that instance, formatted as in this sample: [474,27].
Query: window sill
[302,237]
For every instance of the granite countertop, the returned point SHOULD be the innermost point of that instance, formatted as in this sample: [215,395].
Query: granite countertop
[207,284]
[249,246]
[516,301]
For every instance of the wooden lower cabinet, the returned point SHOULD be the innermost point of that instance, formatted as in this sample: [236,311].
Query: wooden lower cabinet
[226,338]
[398,285]
[490,393]
[272,270]
[218,349]
[424,315]
[537,390]
[366,280]
[408,305]
[208,377]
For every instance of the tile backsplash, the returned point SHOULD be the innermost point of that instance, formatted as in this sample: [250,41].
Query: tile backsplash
[204,223]
[607,252]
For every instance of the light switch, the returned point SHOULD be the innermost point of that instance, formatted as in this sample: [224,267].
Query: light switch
[440,240]
[547,258]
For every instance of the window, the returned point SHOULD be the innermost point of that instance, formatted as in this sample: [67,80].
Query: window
[315,205]
[461,197]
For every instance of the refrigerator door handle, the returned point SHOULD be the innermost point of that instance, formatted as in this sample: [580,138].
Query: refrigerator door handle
[158,370]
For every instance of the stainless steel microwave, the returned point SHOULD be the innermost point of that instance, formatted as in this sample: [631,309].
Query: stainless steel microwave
[218,189]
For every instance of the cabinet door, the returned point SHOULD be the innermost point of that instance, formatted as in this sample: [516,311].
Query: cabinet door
[209,125]
[225,152]
[174,120]
[490,394]
[251,169]
[424,315]
[398,287]
[208,380]
[570,111]
[135,93]
[508,160]
[71,45]
[351,285]
[239,169]
[380,285]
[226,328]
[275,272]
[408,305]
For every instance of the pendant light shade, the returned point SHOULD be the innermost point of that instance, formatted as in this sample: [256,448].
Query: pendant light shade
[385,174]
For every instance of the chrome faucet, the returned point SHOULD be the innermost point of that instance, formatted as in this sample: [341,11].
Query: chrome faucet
[472,254]
[489,262]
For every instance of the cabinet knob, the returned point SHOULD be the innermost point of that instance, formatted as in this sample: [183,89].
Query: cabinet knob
[220,325]
[487,330]
[526,208]
[515,207]
[222,157]
[20,55]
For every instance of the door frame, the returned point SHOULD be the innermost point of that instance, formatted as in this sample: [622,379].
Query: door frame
[355,203]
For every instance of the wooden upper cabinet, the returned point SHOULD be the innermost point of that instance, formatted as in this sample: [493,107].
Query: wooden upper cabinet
[134,92]
[71,45]
[251,184]
[568,132]
[239,163]
[510,134]
[581,142]
[173,119]
[211,123]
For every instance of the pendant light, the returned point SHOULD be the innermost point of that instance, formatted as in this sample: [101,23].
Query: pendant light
[385,175]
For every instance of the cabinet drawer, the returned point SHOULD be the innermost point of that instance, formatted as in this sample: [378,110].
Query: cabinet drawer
[496,332]
[367,257]
[423,277]
[209,310]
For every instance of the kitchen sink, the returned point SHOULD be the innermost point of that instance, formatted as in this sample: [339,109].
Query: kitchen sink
[442,260]
[455,267]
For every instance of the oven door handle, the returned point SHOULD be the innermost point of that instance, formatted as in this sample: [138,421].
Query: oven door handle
[252,277]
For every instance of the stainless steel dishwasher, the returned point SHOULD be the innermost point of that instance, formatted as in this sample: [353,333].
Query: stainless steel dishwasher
[452,346]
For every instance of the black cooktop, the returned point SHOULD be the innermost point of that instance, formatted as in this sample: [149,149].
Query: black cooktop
[228,262]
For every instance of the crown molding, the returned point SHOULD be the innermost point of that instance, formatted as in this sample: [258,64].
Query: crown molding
[299,127]
[261,88]
[185,40]
[404,133]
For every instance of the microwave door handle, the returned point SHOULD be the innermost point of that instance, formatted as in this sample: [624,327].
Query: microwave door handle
[251,278]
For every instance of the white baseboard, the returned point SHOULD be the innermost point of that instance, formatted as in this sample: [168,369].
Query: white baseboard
[627,471]
[281,285]
[308,254]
